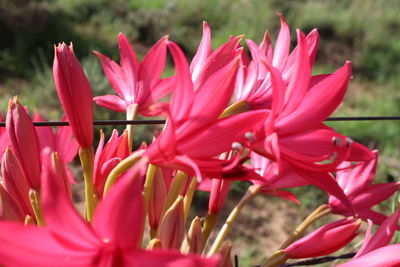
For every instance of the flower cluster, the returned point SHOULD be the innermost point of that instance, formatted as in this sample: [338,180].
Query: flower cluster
[229,117]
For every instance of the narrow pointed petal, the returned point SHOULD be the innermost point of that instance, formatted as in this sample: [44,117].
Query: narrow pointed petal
[318,103]
[282,46]
[182,98]
[66,145]
[128,61]
[119,218]
[112,102]
[203,51]
[266,47]
[151,69]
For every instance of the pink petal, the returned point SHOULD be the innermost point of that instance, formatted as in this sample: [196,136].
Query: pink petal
[112,102]
[61,218]
[318,103]
[203,51]
[151,69]
[128,61]
[119,217]
[282,46]
[34,246]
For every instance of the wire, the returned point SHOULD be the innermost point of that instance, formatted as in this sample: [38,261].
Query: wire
[141,122]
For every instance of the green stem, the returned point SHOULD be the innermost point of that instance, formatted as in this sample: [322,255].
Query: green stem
[131,113]
[278,258]
[34,197]
[187,201]
[250,194]
[86,155]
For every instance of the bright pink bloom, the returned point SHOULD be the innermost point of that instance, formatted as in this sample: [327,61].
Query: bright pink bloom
[325,240]
[75,93]
[15,183]
[356,182]
[253,83]
[134,82]
[193,139]
[67,240]
[294,137]
[24,141]
[107,157]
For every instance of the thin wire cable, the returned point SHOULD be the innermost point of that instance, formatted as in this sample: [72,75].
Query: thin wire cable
[147,122]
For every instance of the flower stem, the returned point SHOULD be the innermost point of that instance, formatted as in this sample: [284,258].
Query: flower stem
[250,194]
[120,168]
[278,258]
[148,184]
[209,223]
[86,155]
[318,213]
[34,197]
[131,113]
[187,201]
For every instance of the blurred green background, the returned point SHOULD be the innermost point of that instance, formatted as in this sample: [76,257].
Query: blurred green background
[367,32]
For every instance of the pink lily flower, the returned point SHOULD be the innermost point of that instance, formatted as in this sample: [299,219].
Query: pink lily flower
[134,82]
[15,183]
[356,182]
[325,240]
[107,157]
[254,81]
[192,140]
[294,134]
[375,250]
[75,93]
[24,142]
[67,240]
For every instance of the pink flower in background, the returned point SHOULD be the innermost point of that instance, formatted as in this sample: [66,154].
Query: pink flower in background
[356,182]
[134,82]
[24,142]
[107,157]
[253,83]
[75,93]
[193,139]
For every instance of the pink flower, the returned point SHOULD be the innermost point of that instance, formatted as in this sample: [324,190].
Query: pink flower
[134,82]
[107,157]
[254,82]
[325,240]
[75,93]
[24,141]
[193,139]
[294,137]
[356,182]
[67,240]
